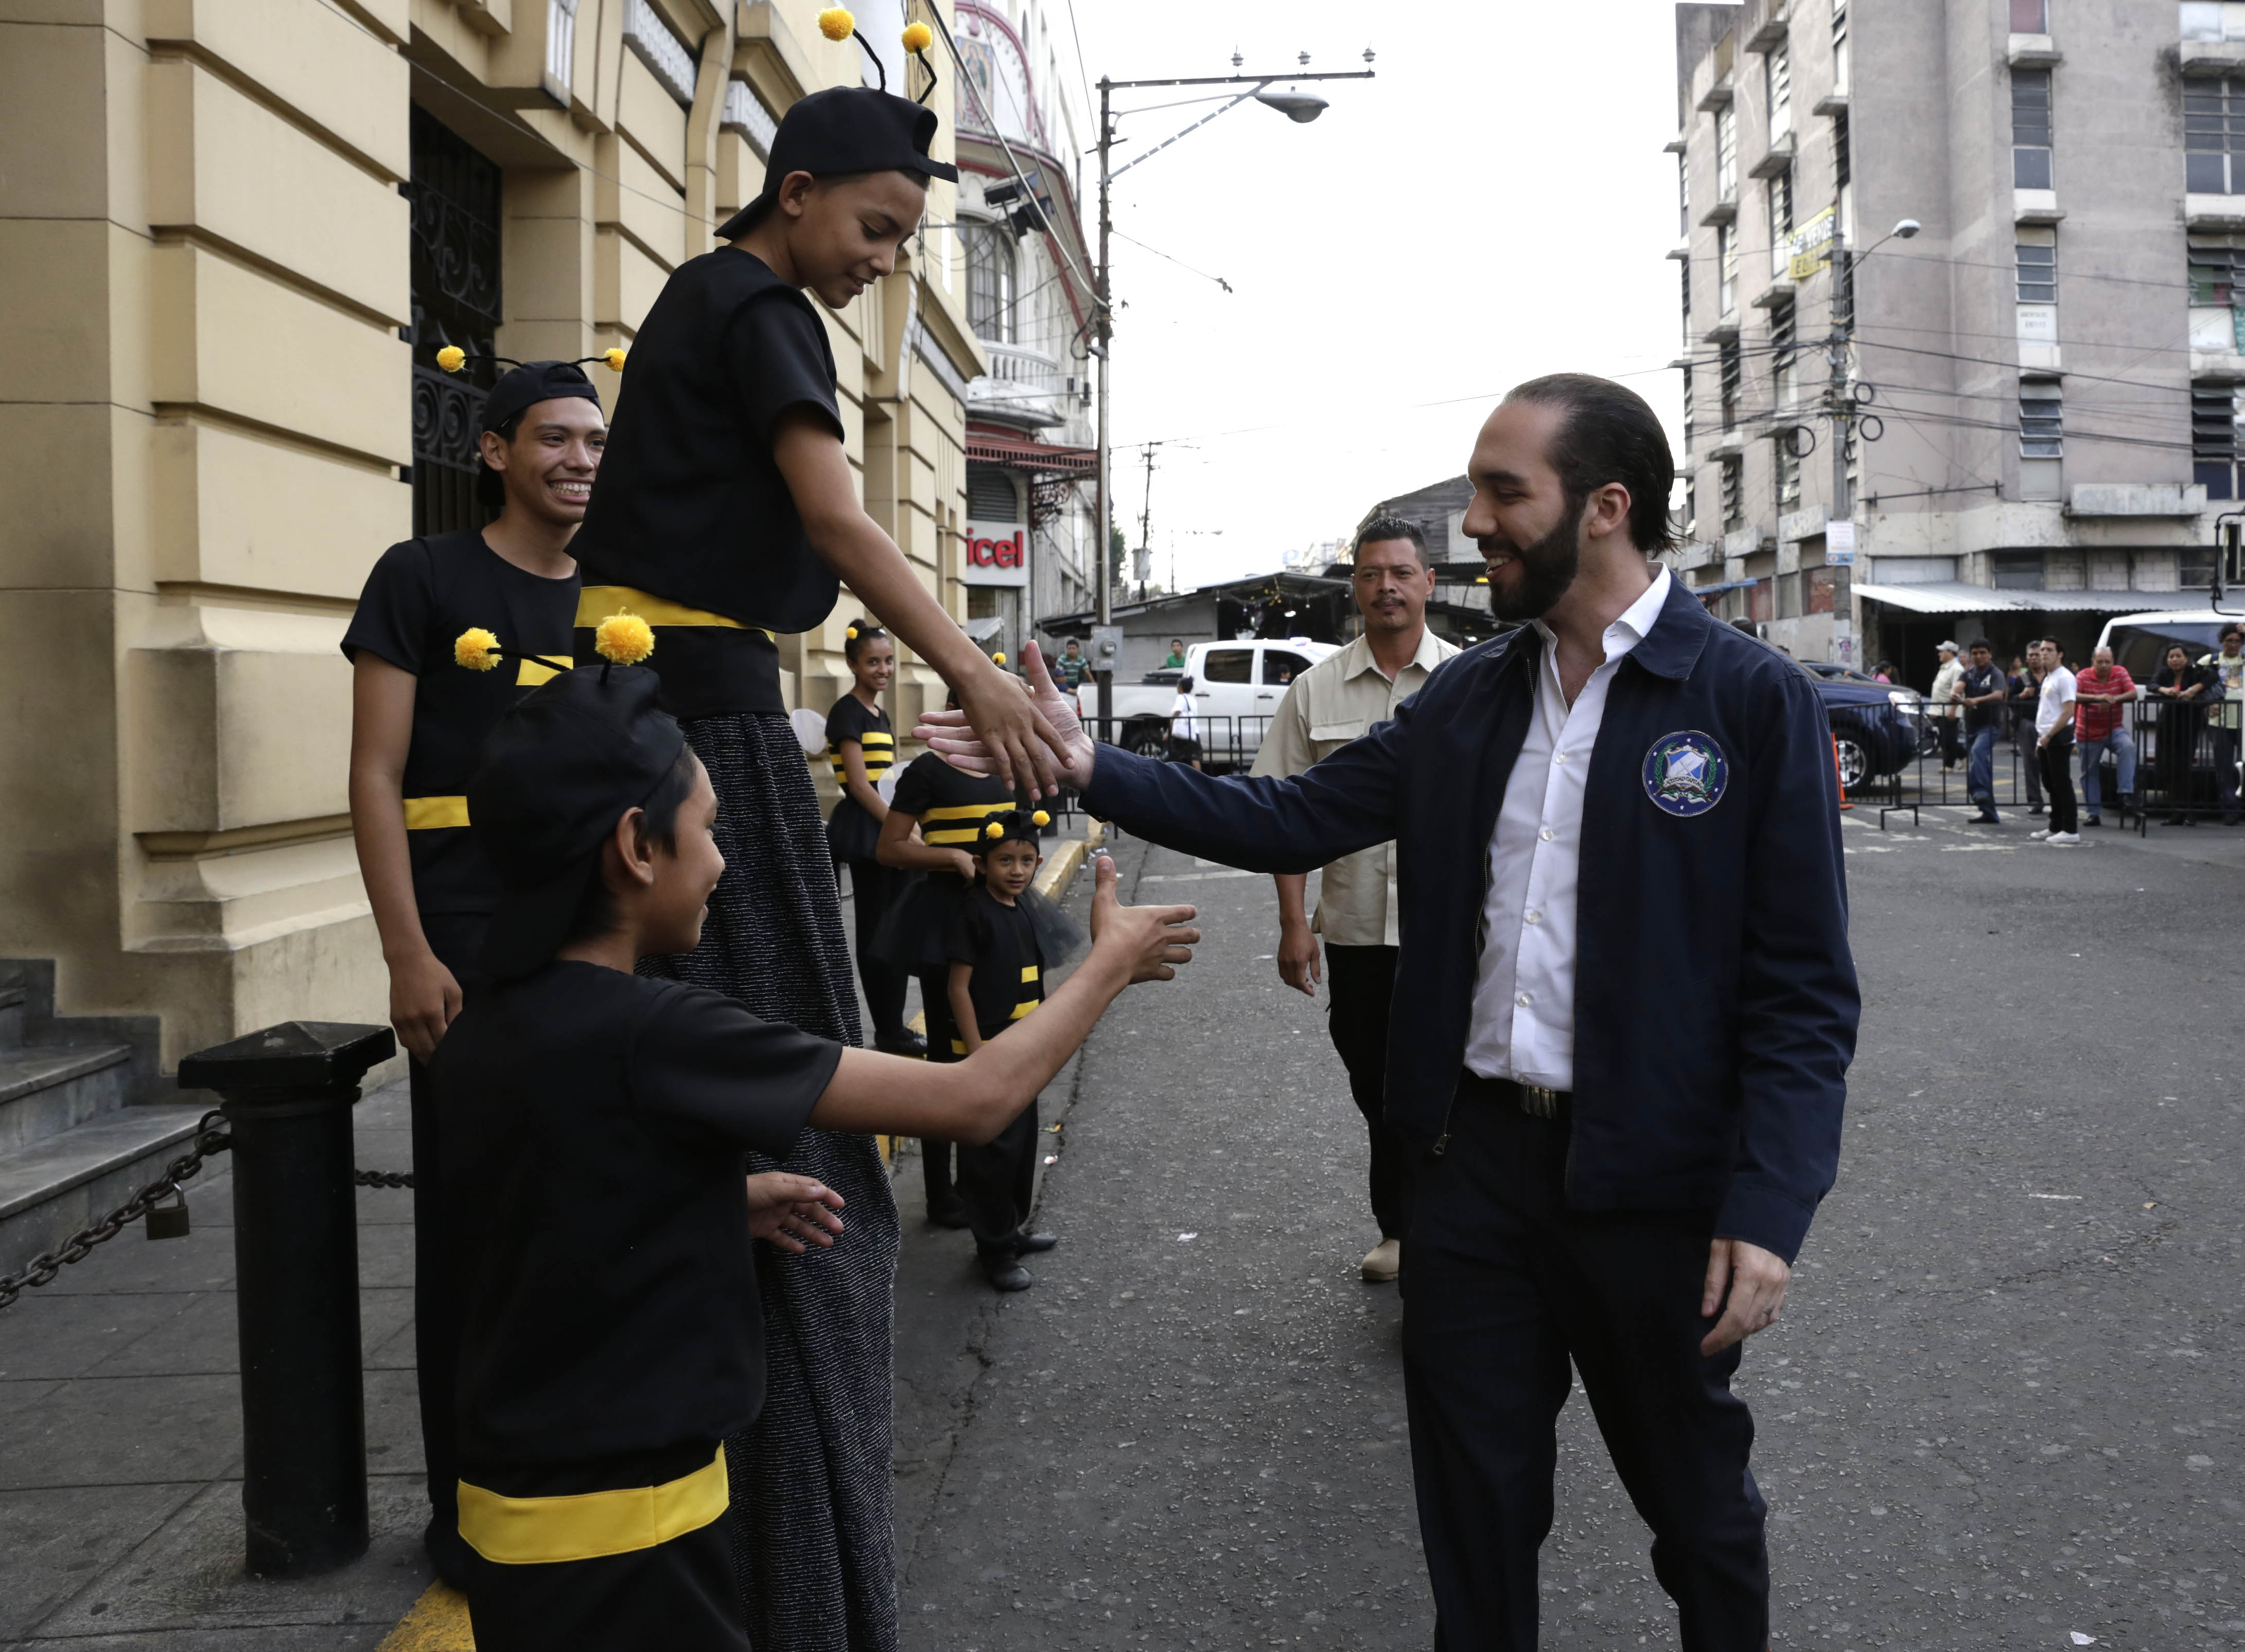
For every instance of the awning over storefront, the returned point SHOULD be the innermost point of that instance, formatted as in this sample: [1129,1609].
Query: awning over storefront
[1017,452]
[1953,596]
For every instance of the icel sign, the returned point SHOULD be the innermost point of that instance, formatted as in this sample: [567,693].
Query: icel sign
[997,554]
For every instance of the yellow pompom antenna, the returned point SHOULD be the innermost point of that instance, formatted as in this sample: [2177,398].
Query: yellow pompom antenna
[1041,818]
[997,660]
[623,640]
[851,633]
[613,356]
[919,37]
[836,23]
[451,358]
[476,648]
[993,830]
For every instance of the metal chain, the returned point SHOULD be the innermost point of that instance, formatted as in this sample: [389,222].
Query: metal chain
[211,1137]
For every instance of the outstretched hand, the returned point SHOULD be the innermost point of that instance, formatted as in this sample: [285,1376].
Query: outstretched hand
[1153,939]
[790,1212]
[963,736]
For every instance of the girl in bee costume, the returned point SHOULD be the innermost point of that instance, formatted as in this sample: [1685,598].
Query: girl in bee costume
[861,744]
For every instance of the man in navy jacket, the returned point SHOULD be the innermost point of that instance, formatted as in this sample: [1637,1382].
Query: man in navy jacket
[1624,1010]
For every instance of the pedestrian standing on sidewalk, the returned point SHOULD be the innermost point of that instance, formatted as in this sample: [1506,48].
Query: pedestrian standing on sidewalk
[1943,702]
[2026,695]
[1184,726]
[1337,701]
[1981,691]
[862,746]
[2184,690]
[418,722]
[2054,744]
[2103,694]
[1625,1007]
[2228,666]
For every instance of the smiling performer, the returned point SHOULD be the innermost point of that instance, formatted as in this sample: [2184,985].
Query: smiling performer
[727,513]
[417,723]
[1624,1012]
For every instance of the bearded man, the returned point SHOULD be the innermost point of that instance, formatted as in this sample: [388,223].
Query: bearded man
[1624,1011]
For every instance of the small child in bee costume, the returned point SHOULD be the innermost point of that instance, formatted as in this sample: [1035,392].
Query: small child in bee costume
[598,1129]
[861,744]
[417,723]
[995,979]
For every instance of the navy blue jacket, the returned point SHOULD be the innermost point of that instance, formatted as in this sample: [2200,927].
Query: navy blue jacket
[1715,997]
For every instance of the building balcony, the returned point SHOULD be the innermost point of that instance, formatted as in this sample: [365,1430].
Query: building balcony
[1675,145]
[1778,159]
[2034,51]
[1718,96]
[2213,56]
[1722,211]
[2213,212]
[1725,331]
[1681,251]
[1775,297]
[1771,35]
[1834,102]
[1026,389]
[2036,207]
[2136,499]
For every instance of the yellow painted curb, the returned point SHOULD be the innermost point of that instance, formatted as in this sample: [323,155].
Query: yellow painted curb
[438,1622]
[1060,869]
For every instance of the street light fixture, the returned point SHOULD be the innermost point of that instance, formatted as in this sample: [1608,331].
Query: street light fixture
[1298,107]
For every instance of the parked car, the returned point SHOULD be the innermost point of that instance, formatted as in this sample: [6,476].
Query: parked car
[1237,688]
[1878,727]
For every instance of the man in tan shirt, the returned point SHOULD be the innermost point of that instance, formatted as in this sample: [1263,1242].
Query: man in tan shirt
[1329,705]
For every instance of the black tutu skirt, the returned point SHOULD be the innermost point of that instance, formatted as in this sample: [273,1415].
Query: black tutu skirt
[851,833]
[911,938]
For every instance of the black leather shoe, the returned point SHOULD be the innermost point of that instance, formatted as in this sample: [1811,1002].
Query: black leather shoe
[2091,820]
[1029,1244]
[1005,1272]
[902,1043]
[950,1215]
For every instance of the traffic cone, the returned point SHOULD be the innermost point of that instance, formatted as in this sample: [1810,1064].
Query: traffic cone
[1836,779]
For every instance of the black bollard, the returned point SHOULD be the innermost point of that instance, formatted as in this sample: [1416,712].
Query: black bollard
[288,1094]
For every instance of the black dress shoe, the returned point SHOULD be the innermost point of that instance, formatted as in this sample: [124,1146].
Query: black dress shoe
[952,1214]
[1004,1270]
[904,1042]
[1029,1244]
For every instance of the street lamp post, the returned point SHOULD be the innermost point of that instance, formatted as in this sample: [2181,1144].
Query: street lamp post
[1299,108]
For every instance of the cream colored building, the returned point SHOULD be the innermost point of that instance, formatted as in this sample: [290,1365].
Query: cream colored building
[231,233]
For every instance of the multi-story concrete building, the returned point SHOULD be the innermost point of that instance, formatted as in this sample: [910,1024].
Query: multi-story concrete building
[2041,382]
[1031,546]
[233,234]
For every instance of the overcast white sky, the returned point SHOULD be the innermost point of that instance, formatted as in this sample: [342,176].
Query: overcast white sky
[1494,206]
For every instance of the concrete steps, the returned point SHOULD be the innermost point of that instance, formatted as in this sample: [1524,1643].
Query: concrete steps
[78,1133]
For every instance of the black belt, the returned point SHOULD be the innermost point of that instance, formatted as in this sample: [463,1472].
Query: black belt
[1531,1099]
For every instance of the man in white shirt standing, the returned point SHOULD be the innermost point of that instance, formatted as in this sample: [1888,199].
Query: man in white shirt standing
[1334,702]
[2054,744]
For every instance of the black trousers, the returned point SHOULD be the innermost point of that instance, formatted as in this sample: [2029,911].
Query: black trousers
[679,1595]
[1507,1288]
[935,1153]
[998,1180]
[1362,983]
[873,888]
[2057,759]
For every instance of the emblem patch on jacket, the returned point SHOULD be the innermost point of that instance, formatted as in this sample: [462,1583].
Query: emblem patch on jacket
[1686,773]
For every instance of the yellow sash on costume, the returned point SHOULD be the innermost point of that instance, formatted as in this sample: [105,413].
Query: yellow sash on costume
[527,1531]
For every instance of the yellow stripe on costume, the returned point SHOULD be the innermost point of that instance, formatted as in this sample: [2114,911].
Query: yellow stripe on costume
[434,814]
[1028,973]
[1021,1010]
[531,1531]
[534,672]
[975,814]
[596,603]
[959,1047]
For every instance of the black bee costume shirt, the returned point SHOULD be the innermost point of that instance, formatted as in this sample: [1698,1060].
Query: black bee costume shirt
[851,831]
[951,805]
[421,596]
[1001,943]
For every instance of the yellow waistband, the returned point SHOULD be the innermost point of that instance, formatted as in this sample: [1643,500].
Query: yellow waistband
[431,813]
[526,1531]
[596,603]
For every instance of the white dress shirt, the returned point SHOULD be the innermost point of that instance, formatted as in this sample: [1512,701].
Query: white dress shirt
[1523,1009]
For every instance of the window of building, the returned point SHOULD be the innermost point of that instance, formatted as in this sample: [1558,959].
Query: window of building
[1840,46]
[561,42]
[1777,83]
[2038,254]
[1734,494]
[2213,20]
[1782,351]
[1727,154]
[2217,296]
[2017,570]
[1689,431]
[454,265]
[1788,596]
[1785,472]
[2195,566]
[1780,214]
[2214,136]
[992,495]
[2030,129]
[1683,195]
[1684,265]
[1691,509]
[1733,381]
[990,282]
[2213,439]
[1726,268]
[2029,16]
[2042,438]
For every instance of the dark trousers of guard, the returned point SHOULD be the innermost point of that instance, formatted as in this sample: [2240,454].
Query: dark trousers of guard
[1508,1288]
[2058,780]
[873,888]
[1360,982]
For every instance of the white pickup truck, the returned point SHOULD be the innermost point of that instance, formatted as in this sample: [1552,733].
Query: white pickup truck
[1237,688]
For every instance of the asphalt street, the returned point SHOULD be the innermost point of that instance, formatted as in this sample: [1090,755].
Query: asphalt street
[2002,1409]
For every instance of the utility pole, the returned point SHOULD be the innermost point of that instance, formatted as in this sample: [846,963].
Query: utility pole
[1841,402]
[1145,526]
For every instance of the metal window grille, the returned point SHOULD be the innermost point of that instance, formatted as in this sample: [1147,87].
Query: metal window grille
[561,42]
[2214,136]
[992,495]
[2042,420]
[1843,166]
[1684,267]
[2215,443]
[1786,471]
[1735,501]
[1687,409]
[1726,264]
[1777,77]
[1734,372]
[665,55]
[1683,194]
[2037,255]
[1726,155]
[990,282]
[1781,206]
[455,272]
[746,113]
[2029,16]
[2030,129]
[1782,338]
[1840,45]
[2213,269]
